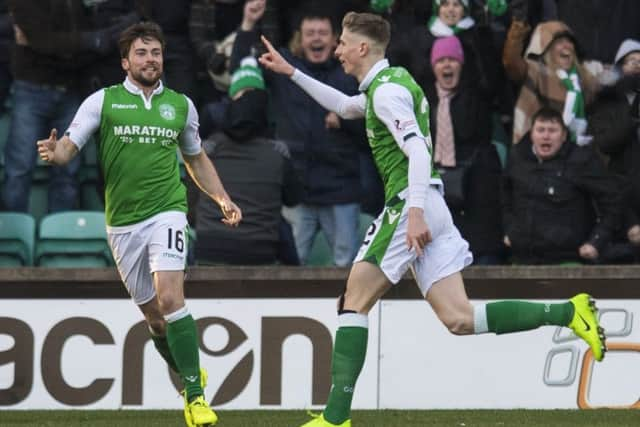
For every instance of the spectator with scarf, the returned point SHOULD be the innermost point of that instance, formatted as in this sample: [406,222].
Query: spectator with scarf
[412,49]
[552,74]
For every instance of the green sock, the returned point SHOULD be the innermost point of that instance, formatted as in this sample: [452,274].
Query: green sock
[182,337]
[161,344]
[348,357]
[513,316]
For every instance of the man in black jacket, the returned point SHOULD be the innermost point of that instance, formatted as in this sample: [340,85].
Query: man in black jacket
[258,174]
[54,41]
[325,149]
[560,203]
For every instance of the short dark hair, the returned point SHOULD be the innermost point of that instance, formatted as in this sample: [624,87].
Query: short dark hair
[313,12]
[369,25]
[143,30]
[548,114]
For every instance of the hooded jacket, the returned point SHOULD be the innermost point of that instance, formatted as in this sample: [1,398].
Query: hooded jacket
[540,84]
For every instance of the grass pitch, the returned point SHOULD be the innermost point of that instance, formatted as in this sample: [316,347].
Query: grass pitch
[453,418]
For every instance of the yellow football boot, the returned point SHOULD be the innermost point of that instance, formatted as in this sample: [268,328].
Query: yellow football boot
[191,408]
[585,324]
[200,414]
[319,421]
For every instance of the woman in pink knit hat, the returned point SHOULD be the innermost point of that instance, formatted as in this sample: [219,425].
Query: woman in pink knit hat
[412,48]
[460,120]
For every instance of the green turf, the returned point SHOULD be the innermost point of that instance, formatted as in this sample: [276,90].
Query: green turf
[457,418]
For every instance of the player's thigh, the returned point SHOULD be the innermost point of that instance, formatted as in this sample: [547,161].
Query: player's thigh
[168,243]
[167,258]
[384,244]
[447,253]
[365,286]
[130,254]
[449,301]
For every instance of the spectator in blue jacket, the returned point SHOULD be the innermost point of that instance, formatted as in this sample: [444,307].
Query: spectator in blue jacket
[325,149]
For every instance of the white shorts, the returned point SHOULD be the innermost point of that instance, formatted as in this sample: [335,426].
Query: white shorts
[385,243]
[139,250]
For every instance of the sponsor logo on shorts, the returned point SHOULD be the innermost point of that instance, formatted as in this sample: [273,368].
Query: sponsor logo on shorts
[173,256]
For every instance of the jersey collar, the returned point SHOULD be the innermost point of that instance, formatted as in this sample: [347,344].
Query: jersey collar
[373,72]
[135,90]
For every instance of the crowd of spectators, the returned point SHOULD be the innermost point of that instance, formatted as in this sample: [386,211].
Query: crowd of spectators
[534,115]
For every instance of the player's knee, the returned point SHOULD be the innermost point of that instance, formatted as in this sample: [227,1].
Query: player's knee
[351,303]
[168,303]
[157,325]
[459,324]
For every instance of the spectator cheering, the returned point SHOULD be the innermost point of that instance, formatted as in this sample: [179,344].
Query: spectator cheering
[560,203]
[323,147]
[615,124]
[463,153]
[551,74]
[412,48]
[257,173]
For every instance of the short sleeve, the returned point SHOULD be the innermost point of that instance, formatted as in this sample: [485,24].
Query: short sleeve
[189,140]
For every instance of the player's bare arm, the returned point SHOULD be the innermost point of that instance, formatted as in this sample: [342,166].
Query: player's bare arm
[57,151]
[205,176]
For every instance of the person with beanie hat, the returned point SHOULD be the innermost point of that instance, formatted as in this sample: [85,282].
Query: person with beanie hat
[461,125]
[614,122]
[628,56]
[450,17]
[447,47]
[327,152]
[257,172]
[247,76]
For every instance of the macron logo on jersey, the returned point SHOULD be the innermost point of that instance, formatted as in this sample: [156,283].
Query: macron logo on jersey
[124,106]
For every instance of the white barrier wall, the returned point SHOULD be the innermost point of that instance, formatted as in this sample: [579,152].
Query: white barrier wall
[275,353]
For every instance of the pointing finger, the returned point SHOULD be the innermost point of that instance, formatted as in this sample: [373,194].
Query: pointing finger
[267,43]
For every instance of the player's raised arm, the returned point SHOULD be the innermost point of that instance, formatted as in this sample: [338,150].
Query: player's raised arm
[56,151]
[347,107]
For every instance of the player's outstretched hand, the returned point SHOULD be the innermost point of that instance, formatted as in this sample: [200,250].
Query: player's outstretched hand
[418,233]
[232,213]
[47,147]
[272,60]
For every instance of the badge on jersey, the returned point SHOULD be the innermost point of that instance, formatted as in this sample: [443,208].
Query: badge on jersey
[167,112]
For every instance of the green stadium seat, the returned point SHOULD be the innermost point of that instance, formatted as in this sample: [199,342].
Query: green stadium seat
[39,199]
[73,239]
[17,238]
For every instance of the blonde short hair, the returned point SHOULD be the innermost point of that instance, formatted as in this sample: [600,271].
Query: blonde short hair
[372,26]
